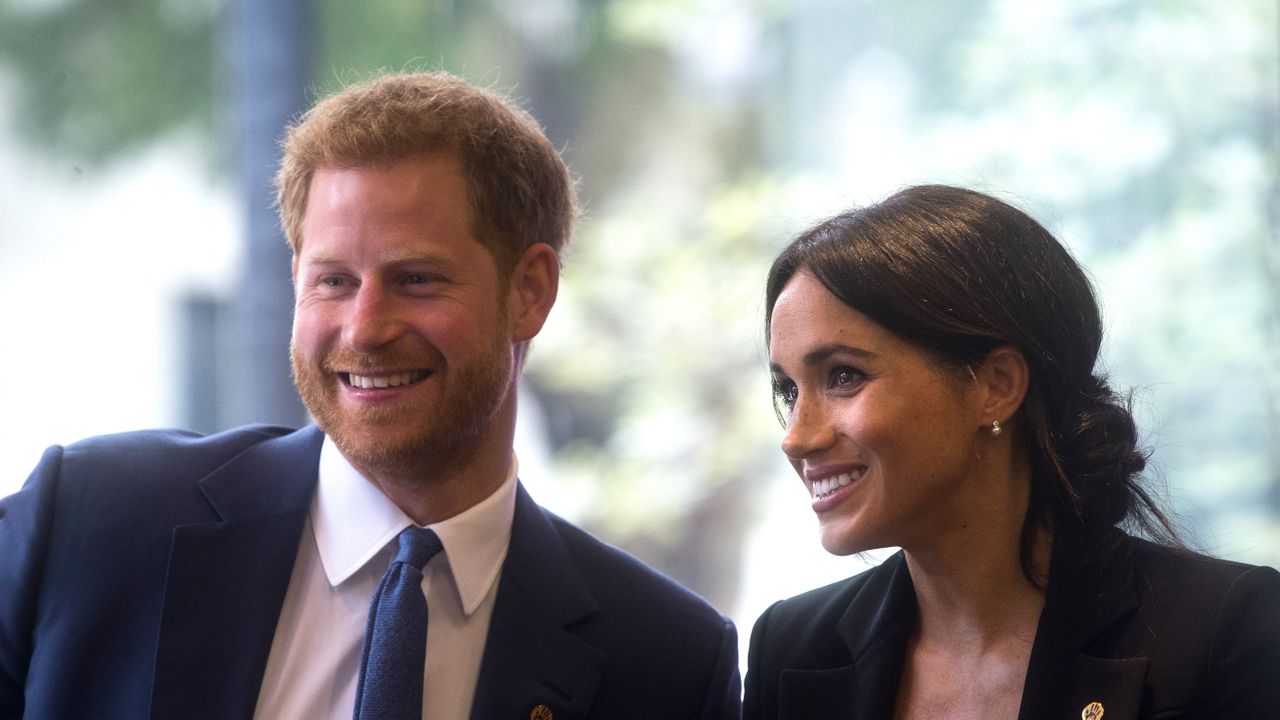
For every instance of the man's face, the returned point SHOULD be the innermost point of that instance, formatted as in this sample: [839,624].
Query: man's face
[401,348]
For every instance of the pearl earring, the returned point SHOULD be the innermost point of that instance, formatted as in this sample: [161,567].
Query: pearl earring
[995,428]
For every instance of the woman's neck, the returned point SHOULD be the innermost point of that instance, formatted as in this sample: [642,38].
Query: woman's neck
[974,594]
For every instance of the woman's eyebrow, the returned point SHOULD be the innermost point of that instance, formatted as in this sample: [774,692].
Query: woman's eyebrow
[822,353]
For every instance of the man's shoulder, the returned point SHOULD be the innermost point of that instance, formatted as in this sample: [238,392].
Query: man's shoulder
[662,639]
[144,452]
[634,598]
[149,443]
[656,643]
[619,578]
[142,466]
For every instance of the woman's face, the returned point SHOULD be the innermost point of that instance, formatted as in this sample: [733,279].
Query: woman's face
[882,436]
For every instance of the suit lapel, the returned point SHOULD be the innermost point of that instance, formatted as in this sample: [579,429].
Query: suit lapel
[1087,595]
[867,687]
[1089,592]
[531,658]
[227,580]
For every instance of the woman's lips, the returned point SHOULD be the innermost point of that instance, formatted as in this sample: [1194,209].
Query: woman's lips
[829,488]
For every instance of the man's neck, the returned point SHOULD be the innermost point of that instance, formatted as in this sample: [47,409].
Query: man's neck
[437,487]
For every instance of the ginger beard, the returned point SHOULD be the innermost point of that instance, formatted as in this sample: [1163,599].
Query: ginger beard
[425,436]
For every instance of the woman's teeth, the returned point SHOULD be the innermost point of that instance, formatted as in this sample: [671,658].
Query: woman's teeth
[828,485]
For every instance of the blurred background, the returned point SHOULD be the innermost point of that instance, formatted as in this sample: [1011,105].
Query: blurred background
[144,281]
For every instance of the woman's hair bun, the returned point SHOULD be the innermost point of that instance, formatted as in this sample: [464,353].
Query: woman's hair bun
[1098,444]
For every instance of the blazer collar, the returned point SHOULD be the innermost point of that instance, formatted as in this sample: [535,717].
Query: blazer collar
[227,580]
[875,628]
[532,658]
[1092,586]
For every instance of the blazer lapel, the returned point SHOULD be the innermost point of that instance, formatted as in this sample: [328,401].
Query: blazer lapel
[531,658]
[825,694]
[1083,600]
[875,627]
[227,580]
[1089,591]
[1114,685]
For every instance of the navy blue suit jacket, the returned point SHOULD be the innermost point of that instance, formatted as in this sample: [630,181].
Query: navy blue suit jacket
[1147,631]
[141,575]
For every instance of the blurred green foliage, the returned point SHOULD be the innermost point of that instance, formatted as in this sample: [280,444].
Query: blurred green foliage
[705,133]
[100,80]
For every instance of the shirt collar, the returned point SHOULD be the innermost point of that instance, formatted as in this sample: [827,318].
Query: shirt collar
[354,521]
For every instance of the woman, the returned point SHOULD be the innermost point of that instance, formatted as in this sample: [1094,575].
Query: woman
[933,359]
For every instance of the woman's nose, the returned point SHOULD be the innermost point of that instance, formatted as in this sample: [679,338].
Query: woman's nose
[808,430]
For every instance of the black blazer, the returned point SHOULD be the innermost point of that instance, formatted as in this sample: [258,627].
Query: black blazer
[1147,631]
[141,575]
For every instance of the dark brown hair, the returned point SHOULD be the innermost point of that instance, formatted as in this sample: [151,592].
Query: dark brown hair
[518,186]
[958,273]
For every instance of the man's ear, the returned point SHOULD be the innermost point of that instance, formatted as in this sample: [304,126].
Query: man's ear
[535,280]
[1002,378]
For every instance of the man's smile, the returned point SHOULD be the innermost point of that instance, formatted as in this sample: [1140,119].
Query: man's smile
[383,380]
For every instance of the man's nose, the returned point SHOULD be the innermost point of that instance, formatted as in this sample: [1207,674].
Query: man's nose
[373,321]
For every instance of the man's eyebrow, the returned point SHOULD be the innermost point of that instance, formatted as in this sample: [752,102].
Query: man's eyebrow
[421,259]
[408,259]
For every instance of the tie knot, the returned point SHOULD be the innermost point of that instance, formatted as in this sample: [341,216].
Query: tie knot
[417,546]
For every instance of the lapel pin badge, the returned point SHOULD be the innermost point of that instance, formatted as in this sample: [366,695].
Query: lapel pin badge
[1092,711]
[541,712]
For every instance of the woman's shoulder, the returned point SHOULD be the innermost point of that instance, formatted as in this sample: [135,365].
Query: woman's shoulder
[1178,592]
[1187,574]
[1210,628]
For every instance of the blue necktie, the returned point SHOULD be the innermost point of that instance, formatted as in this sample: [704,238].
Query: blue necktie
[395,642]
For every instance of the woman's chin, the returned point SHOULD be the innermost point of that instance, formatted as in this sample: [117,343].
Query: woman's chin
[844,543]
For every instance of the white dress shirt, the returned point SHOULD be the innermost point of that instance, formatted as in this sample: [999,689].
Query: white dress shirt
[347,545]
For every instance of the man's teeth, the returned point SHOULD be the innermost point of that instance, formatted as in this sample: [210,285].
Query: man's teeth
[827,485]
[369,382]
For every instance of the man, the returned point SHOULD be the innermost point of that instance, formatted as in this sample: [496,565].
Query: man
[167,575]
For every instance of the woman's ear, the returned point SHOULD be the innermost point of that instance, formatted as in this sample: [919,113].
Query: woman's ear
[531,292]
[1002,378]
